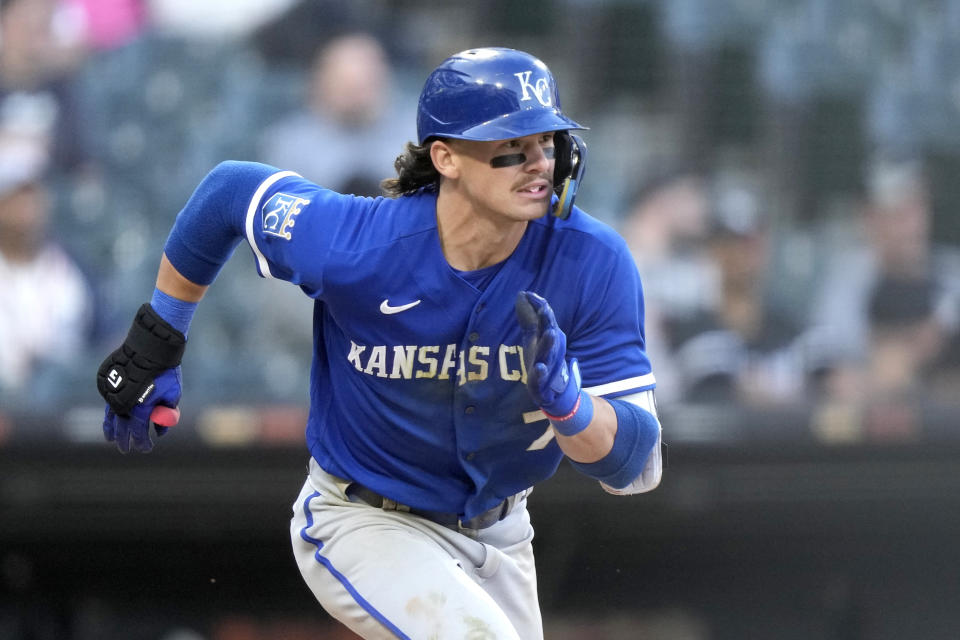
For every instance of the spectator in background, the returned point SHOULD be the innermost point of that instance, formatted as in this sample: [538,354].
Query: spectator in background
[895,243]
[905,337]
[890,393]
[41,49]
[342,137]
[45,301]
[345,138]
[666,227]
[347,133]
[740,348]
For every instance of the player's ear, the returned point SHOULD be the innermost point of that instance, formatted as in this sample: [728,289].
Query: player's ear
[444,159]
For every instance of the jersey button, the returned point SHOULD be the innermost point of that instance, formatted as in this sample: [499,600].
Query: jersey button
[474,336]
[469,410]
[471,455]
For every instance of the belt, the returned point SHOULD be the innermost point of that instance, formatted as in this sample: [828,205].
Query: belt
[490,517]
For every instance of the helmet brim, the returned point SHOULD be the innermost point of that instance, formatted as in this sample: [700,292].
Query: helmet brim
[518,124]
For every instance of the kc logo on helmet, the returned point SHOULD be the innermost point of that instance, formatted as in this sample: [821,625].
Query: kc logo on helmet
[540,89]
[279,214]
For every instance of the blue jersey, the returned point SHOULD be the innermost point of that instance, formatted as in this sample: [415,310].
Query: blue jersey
[418,383]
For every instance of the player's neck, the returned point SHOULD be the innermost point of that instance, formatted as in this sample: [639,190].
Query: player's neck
[474,239]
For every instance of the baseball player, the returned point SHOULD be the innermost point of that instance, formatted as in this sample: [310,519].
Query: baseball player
[472,329]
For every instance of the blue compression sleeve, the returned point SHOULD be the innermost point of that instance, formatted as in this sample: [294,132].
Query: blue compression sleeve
[211,224]
[177,312]
[637,431]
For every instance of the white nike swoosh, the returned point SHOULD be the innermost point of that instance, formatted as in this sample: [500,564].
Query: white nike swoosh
[387,309]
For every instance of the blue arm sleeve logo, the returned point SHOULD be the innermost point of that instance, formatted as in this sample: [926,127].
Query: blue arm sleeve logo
[279,214]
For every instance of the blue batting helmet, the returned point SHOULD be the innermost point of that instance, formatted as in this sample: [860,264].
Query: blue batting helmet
[490,94]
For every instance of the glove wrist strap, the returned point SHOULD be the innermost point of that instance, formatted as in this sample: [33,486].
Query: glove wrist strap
[155,339]
[577,419]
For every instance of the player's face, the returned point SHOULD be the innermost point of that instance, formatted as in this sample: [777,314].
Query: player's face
[510,178]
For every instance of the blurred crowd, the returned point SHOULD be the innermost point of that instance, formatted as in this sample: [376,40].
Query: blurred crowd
[784,185]
[868,347]
[783,171]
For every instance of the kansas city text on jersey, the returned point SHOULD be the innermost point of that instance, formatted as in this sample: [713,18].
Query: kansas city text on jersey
[441,362]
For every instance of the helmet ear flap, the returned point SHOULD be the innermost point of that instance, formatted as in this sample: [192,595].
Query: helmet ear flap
[570,152]
[562,146]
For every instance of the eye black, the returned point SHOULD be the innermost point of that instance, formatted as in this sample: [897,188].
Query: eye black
[508,160]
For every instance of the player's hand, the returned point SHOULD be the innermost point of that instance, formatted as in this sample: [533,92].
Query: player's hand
[553,383]
[159,410]
[141,382]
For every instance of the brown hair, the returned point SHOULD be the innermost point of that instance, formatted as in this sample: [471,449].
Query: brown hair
[415,171]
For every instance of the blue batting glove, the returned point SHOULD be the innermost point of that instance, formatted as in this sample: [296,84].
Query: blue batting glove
[553,384]
[135,428]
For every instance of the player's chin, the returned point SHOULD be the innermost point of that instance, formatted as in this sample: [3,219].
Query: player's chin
[531,209]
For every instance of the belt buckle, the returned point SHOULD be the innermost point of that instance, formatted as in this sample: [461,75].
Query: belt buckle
[393,505]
